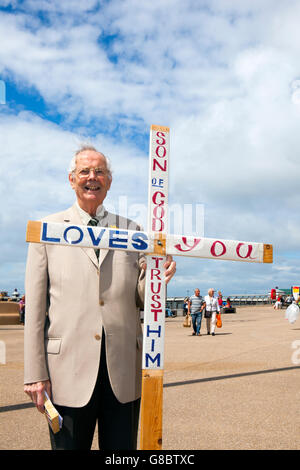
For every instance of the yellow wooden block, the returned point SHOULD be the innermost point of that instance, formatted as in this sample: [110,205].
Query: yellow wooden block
[33,233]
[160,128]
[160,244]
[151,409]
[268,253]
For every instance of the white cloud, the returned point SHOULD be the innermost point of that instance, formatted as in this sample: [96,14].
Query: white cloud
[56,6]
[223,75]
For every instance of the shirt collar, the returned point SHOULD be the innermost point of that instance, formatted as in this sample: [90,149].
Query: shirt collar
[86,217]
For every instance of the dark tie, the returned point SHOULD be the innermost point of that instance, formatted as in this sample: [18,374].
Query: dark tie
[94,222]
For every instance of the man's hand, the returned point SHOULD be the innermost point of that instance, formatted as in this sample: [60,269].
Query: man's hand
[170,267]
[36,392]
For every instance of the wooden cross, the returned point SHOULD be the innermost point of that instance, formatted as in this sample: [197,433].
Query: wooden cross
[156,243]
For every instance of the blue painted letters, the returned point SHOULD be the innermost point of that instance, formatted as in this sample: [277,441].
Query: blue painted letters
[117,242]
[139,238]
[97,240]
[44,235]
[73,227]
[156,358]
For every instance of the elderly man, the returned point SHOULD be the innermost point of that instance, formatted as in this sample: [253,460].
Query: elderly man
[83,336]
[196,305]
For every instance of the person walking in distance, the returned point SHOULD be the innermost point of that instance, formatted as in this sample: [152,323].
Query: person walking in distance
[211,309]
[196,306]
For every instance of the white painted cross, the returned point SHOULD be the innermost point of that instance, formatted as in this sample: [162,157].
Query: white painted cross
[156,243]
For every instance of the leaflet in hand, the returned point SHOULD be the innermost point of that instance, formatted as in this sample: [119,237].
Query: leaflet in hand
[52,415]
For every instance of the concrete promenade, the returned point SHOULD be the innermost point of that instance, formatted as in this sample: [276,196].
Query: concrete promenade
[237,390]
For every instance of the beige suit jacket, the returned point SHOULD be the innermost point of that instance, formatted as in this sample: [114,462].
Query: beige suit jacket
[70,297]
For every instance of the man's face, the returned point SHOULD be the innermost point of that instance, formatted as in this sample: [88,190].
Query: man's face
[197,292]
[90,188]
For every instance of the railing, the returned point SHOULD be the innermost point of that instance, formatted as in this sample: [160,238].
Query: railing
[250,299]
[176,303]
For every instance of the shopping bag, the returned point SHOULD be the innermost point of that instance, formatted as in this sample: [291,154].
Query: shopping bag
[187,321]
[219,321]
[292,313]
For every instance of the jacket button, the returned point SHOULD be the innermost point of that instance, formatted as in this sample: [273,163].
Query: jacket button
[101,302]
[97,337]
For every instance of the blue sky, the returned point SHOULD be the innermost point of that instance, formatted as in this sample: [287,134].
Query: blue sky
[223,75]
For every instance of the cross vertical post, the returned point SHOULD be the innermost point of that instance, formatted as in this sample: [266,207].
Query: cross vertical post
[155,292]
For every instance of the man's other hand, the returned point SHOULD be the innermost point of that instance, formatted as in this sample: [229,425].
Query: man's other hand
[170,268]
[36,392]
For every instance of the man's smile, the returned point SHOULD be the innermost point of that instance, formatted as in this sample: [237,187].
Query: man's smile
[92,187]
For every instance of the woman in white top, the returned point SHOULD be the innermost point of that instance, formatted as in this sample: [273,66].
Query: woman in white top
[211,309]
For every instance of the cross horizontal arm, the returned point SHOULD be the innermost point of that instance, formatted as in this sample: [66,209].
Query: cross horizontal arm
[137,241]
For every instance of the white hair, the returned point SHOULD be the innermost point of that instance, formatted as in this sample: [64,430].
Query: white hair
[83,148]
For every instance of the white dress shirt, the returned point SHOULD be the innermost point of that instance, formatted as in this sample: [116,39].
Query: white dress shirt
[86,217]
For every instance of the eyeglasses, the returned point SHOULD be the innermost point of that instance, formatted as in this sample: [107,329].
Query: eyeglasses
[85,172]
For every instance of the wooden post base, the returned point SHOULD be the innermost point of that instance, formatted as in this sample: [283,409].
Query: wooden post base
[151,409]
